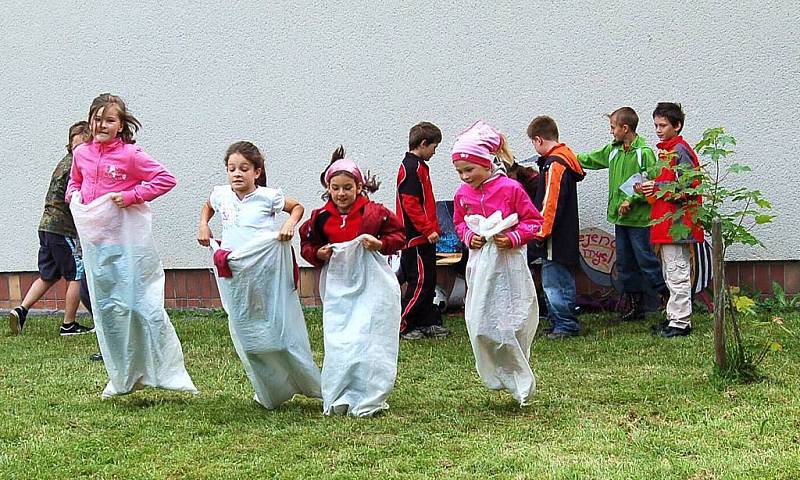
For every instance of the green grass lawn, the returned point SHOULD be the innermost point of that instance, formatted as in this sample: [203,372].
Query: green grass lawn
[616,403]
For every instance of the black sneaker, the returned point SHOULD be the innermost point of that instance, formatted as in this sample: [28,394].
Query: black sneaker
[657,328]
[74,328]
[435,331]
[96,357]
[634,311]
[670,332]
[16,319]
[412,335]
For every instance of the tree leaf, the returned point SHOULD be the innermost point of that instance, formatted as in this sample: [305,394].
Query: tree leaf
[743,304]
[739,168]
[763,203]
[726,139]
[679,231]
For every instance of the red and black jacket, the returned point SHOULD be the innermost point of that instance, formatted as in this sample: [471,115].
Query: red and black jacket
[327,225]
[416,206]
[679,153]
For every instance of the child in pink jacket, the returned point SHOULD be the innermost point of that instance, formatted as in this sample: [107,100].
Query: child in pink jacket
[486,191]
[112,162]
[501,310]
[126,279]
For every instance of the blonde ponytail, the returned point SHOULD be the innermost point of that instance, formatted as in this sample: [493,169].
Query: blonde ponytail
[504,153]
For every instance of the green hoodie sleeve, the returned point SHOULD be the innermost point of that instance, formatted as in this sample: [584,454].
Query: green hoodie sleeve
[648,162]
[596,159]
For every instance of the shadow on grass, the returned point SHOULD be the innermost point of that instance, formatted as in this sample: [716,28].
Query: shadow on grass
[151,398]
[224,408]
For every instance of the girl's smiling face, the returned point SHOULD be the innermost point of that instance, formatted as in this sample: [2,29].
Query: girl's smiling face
[471,174]
[242,174]
[343,190]
[106,124]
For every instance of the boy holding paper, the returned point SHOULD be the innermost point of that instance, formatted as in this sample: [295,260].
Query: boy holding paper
[628,159]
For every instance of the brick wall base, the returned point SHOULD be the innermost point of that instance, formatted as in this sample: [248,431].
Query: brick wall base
[187,289]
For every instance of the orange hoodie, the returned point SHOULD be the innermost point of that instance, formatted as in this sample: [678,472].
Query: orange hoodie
[553,177]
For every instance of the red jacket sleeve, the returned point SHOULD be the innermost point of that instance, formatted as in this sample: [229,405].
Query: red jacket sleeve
[409,193]
[413,209]
[310,242]
[668,175]
[392,234]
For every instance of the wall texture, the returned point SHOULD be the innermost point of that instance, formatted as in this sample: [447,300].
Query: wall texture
[298,78]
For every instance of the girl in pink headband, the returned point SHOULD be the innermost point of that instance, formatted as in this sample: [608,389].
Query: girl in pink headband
[350,383]
[345,190]
[348,213]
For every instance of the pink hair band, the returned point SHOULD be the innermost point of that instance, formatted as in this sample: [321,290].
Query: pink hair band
[343,165]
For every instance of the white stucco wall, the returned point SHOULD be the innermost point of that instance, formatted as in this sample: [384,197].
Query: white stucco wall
[298,78]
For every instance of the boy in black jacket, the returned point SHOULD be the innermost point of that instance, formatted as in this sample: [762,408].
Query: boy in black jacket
[416,207]
[557,241]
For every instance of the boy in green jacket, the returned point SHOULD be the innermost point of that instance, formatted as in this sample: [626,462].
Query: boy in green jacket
[628,159]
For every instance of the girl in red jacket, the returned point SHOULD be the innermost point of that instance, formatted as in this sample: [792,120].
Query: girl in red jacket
[360,294]
[349,213]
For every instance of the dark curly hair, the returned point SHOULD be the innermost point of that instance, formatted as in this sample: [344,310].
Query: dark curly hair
[673,112]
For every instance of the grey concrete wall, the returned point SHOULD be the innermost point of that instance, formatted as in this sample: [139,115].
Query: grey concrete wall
[298,78]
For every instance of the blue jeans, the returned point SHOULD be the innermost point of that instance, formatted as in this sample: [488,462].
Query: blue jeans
[558,281]
[638,268]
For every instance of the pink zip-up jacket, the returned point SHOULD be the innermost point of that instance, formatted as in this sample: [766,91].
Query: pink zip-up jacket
[100,168]
[497,193]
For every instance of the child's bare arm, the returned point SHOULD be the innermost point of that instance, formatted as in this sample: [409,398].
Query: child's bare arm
[295,211]
[204,234]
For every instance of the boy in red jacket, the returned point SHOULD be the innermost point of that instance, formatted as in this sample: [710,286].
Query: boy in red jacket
[675,253]
[416,208]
